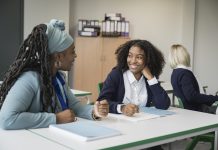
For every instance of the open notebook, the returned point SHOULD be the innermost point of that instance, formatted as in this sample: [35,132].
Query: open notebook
[136,117]
[155,111]
[145,113]
[84,130]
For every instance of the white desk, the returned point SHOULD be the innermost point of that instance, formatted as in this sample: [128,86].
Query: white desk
[25,140]
[142,134]
[80,93]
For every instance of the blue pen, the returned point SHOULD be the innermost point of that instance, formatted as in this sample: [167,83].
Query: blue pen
[128,99]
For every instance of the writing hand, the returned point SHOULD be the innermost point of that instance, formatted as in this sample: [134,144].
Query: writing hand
[129,109]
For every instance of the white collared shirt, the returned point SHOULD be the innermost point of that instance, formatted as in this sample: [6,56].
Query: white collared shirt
[135,91]
[182,66]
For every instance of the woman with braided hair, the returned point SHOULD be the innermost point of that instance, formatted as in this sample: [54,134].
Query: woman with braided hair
[34,93]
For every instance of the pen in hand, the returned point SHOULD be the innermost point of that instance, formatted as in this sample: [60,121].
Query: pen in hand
[129,101]
[130,109]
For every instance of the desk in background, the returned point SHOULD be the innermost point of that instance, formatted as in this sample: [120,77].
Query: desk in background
[167,87]
[82,94]
[142,134]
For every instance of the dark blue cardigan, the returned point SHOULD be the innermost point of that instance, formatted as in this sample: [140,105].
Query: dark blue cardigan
[185,86]
[113,90]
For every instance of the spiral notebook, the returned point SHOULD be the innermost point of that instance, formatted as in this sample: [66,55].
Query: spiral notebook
[84,130]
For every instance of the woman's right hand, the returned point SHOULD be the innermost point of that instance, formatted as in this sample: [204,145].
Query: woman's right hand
[65,116]
[147,73]
[129,109]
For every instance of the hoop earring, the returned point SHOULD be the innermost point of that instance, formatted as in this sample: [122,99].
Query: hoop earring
[58,64]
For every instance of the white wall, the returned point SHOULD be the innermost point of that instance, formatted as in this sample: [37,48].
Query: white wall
[206,43]
[162,22]
[193,23]
[188,26]
[42,11]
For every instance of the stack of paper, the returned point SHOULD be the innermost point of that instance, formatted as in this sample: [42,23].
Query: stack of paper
[84,130]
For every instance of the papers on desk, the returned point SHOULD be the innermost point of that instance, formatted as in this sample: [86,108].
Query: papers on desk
[84,130]
[155,111]
[144,114]
[136,117]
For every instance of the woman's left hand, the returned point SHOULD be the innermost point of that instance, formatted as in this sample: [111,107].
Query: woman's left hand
[101,108]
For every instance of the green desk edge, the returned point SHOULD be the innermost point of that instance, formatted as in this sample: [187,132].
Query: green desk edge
[156,139]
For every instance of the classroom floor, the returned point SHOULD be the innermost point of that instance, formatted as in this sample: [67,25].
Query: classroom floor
[180,145]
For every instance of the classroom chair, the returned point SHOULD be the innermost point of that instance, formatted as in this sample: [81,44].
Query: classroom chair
[205,89]
[208,137]
[180,104]
[100,86]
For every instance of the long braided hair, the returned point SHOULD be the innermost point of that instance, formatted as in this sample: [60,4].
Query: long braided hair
[33,55]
